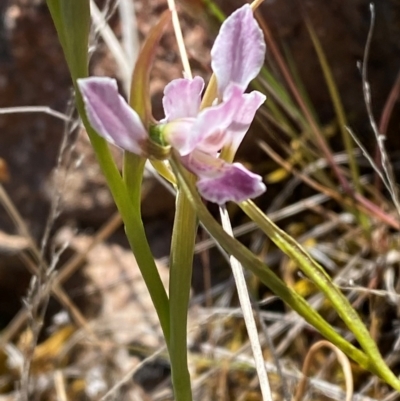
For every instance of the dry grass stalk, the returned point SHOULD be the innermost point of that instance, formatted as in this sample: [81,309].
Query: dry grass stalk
[343,360]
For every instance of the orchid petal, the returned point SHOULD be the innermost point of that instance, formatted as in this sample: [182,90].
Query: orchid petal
[234,183]
[239,50]
[208,131]
[110,115]
[243,119]
[182,98]
[220,182]
[178,134]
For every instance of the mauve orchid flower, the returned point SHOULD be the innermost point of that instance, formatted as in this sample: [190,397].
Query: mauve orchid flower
[196,135]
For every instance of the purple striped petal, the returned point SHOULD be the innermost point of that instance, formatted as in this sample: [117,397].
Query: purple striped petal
[233,183]
[239,50]
[182,98]
[207,132]
[220,182]
[110,115]
[243,119]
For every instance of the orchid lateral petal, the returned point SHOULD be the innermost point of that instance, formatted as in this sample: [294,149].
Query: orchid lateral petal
[239,50]
[220,182]
[110,115]
[182,98]
[243,119]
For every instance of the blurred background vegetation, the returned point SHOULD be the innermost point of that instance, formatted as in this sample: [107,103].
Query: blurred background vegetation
[98,322]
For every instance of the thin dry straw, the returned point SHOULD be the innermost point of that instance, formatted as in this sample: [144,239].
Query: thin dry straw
[248,316]
[365,205]
[387,168]
[113,44]
[343,360]
[35,109]
[130,37]
[59,385]
[179,39]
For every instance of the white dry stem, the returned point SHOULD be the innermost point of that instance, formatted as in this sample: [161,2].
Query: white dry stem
[390,181]
[179,38]
[35,109]
[370,159]
[255,4]
[248,316]
[121,58]
[130,37]
[59,385]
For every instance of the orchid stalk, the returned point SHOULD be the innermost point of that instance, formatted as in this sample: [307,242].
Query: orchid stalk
[190,138]
[196,135]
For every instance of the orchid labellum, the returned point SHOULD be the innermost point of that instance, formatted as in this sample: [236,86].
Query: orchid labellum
[197,136]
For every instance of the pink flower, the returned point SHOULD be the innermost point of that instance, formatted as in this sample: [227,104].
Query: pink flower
[197,136]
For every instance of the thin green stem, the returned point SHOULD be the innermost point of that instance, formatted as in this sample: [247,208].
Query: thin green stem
[181,262]
[128,204]
[133,173]
[127,200]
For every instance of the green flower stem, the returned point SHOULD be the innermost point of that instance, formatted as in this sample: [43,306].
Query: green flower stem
[127,200]
[322,280]
[72,21]
[131,215]
[180,277]
[251,262]
[137,239]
